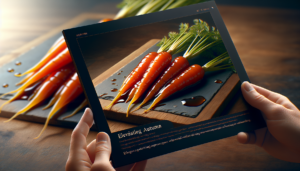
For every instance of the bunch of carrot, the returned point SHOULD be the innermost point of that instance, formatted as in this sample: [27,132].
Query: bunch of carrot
[159,71]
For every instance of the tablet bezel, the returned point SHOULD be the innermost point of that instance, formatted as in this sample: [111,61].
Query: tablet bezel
[71,36]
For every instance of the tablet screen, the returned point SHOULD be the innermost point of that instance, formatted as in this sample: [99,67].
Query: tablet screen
[167,85]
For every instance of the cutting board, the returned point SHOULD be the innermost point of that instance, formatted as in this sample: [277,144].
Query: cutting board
[213,108]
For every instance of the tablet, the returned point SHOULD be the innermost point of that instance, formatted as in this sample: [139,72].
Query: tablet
[162,82]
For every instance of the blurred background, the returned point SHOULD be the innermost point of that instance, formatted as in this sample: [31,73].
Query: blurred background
[22,21]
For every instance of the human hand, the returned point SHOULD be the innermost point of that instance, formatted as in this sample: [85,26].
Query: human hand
[281,138]
[96,155]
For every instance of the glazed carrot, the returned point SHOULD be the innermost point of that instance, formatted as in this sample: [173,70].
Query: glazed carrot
[26,92]
[178,65]
[55,80]
[55,97]
[35,92]
[81,106]
[132,92]
[162,61]
[134,76]
[192,75]
[59,61]
[57,49]
[72,90]
[26,78]
[201,42]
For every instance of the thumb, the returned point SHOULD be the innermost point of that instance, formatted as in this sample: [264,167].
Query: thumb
[102,151]
[256,99]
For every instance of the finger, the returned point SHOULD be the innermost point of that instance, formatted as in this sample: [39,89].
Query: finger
[140,166]
[246,138]
[102,152]
[91,150]
[257,100]
[275,97]
[79,134]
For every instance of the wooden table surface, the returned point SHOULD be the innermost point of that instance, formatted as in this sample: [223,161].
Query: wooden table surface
[268,41]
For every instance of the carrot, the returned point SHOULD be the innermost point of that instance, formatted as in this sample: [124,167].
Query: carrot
[55,97]
[35,92]
[56,50]
[132,92]
[59,61]
[26,92]
[71,90]
[55,80]
[192,75]
[201,42]
[81,106]
[26,78]
[134,76]
[188,77]
[162,61]
[177,66]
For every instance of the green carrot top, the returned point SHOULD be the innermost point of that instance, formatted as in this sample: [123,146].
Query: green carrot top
[131,8]
[221,62]
[205,37]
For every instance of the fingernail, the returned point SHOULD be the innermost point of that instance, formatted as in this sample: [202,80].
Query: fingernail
[247,86]
[102,137]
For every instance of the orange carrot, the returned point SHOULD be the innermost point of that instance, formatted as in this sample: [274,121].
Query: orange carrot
[55,97]
[71,90]
[132,92]
[55,80]
[26,92]
[81,106]
[190,76]
[56,50]
[26,78]
[178,65]
[59,61]
[135,76]
[158,65]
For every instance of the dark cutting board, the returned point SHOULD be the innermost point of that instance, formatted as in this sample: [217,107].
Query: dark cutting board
[29,55]
[216,100]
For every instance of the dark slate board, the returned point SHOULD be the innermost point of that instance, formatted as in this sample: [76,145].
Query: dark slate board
[206,87]
[28,59]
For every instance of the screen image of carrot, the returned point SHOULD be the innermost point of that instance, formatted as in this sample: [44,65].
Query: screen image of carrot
[71,91]
[137,74]
[198,36]
[201,42]
[132,92]
[192,75]
[48,88]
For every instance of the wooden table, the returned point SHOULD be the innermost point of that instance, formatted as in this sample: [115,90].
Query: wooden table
[268,42]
